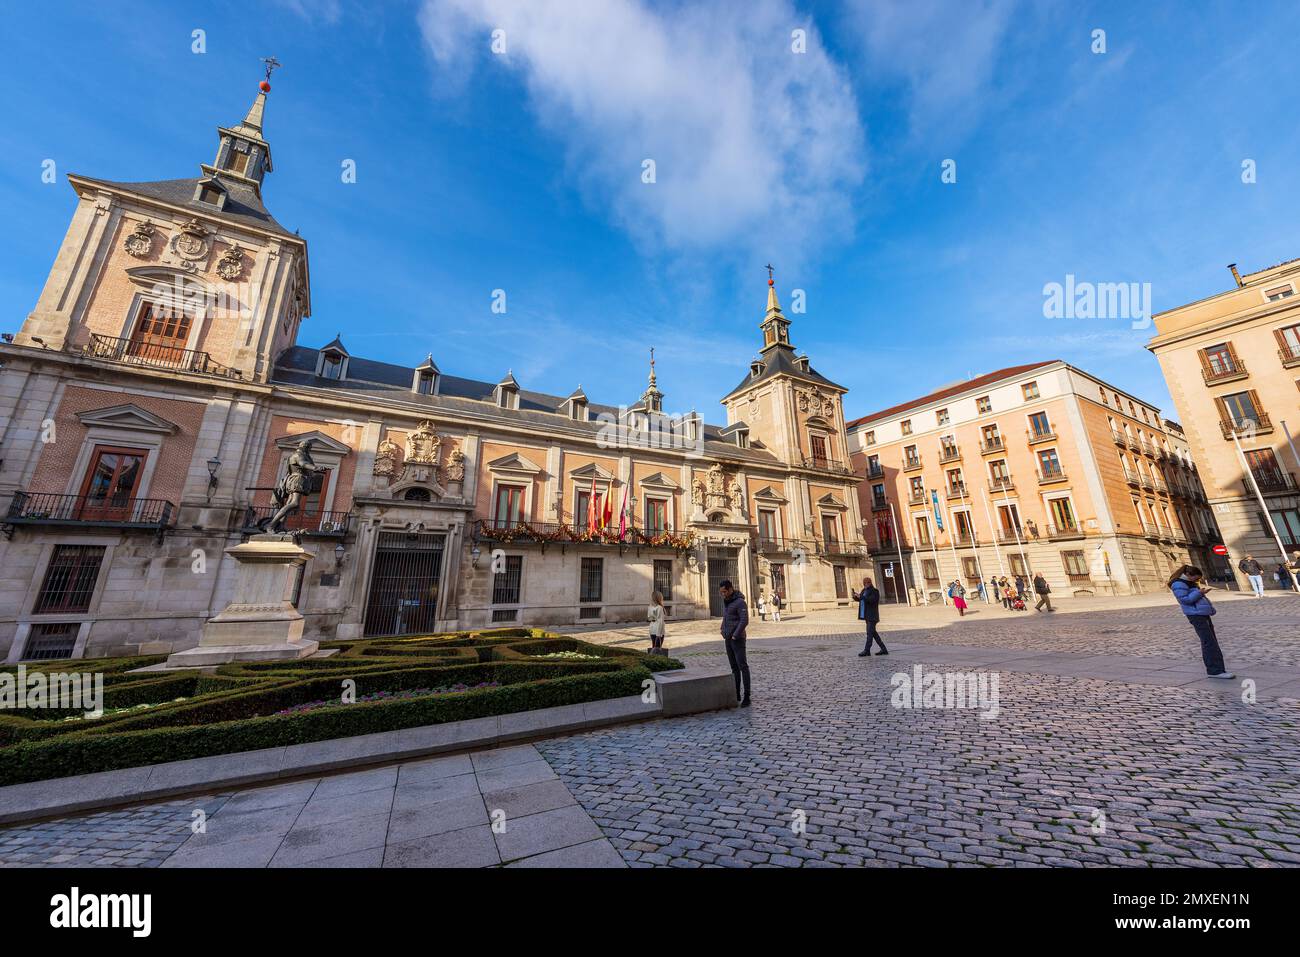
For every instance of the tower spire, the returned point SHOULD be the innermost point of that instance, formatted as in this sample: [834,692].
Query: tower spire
[652,399]
[244,154]
[775,326]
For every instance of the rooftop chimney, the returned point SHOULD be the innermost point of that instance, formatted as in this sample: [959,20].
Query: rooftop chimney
[1232,267]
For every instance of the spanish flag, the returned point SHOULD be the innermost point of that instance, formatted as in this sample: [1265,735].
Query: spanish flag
[607,511]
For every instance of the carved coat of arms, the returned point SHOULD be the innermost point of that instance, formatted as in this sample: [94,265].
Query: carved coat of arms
[423,444]
[191,243]
[140,243]
[231,263]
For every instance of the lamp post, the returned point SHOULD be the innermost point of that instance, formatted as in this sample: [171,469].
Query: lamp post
[214,463]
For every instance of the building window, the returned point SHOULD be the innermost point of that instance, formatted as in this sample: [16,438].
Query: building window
[331,365]
[508,510]
[971,569]
[505,583]
[1049,464]
[830,529]
[767,526]
[1076,567]
[878,499]
[237,161]
[819,446]
[1288,340]
[591,579]
[1040,425]
[910,458]
[69,580]
[417,495]
[424,383]
[1062,514]
[1030,389]
[941,417]
[922,530]
[112,482]
[917,488]
[161,332]
[1220,360]
[841,583]
[1240,408]
[930,571]
[906,426]
[656,515]
[210,194]
[948,447]
[984,404]
[1278,292]
[1018,566]
[50,640]
[955,485]
[869,438]
[1104,401]
[664,578]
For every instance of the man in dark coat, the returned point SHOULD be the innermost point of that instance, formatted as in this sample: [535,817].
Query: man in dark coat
[1044,592]
[735,618]
[869,611]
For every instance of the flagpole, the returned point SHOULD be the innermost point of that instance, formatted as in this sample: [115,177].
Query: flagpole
[1015,527]
[951,533]
[975,544]
[1263,505]
[938,523]
[898,541]
[993,530]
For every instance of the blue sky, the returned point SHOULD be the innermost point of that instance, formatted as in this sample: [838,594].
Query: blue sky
[523,171]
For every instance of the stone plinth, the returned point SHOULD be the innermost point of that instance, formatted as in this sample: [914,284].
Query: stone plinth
[261,623]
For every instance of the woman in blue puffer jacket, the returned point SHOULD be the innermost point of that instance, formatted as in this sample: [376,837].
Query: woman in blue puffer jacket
[1189,588]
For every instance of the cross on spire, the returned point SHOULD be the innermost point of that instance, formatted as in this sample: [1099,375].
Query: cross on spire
[768,267]
[271,64]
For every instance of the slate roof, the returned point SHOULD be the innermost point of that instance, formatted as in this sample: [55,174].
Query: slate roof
[243,206]
[366,377]
[778,361]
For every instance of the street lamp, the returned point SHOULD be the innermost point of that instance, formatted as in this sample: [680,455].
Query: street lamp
[214,463]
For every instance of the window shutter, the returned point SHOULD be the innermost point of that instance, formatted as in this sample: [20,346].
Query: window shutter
[1205,361]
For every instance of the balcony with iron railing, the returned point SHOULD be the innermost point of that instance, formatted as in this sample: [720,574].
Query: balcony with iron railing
[912,465]
[87,511]
[1271,481]
[949,453]
[156,356]
[879,504]
[1245,428]
[841,549]
[1150,530]
[502,531]
[1052,476]
[992,444]
[1290,356]
[1045,434]
[1159,484]
[1134,443]
[1013,535]
[1131,476]
[956,490]
[916,498]
[1119,437]
[1068,530]
[1229,370]
[1001,483]
[309,523]
[824,464]
[875,471]
[1145,481]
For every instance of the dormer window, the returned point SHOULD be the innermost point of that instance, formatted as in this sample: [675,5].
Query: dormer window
[425,381]
[210,194]
[332,365]
[238,159]
[578,410]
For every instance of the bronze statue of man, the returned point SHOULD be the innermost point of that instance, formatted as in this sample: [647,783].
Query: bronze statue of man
[302,477]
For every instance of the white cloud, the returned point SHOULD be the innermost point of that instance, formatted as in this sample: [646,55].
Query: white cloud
[313,11]
[755,146]
[944,51]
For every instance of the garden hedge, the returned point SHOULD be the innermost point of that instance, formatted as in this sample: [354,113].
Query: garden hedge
[194,713]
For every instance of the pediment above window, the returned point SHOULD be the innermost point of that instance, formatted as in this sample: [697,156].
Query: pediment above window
[514,462]
[128,416]
[660,481]
[771,495]
[321,443]
[830,501]
[592,471]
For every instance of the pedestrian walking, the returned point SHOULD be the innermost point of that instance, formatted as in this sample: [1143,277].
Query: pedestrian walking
[735,618]
[1253,571]
[762,607]
[1043,591]
[1004,589]
[655,615]
[958,595]
[777,604]
[1189,587]
[869,611]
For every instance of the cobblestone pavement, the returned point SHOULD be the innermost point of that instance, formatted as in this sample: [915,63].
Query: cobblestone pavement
[823,771]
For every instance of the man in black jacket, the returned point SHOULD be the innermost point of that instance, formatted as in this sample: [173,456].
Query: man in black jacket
[869,611]
[735,618]
[1044,592]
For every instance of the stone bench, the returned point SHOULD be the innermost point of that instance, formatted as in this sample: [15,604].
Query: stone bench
[692,690]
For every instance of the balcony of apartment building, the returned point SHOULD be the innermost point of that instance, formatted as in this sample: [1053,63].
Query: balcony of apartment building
[1042,433]
[837,549]
[992,443]
[1289,354]
[1223,366]
[1149,449]
[88,511]
[312,524]
[1159,484]
[1118,436]
[879,503]
[915,497]
[1246,427]
[1271,481]
[523,532]
[949,453]
[1064,531]
[156,355]
[1131,476]
[1134,442]
[1001,483]
[774,544]
[1151,529]
[912,464]
[823,463]
[955,490]
[1011,535]
[875,470]
[1051,476]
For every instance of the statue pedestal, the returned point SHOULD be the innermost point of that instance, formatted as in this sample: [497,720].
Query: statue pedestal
[261,623]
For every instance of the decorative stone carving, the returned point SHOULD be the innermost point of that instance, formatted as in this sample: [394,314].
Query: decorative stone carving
[140,243]
[423,444]
[816,402]
[231,264]
[456,466]
[386,457]
[191,243]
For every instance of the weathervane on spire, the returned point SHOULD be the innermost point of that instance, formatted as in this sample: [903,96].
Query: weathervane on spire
[271,64]
[652,365]
[770,281]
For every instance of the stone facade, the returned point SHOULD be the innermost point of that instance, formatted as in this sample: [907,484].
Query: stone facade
[153,395]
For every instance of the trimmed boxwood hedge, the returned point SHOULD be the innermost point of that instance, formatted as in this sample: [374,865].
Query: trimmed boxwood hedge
[234,709]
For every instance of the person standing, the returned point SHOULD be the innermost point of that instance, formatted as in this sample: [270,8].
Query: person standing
[655,615]
[735,618]
[1004,589]
[1190,590]
[762,607]
[958,595]
[1022,587]
[1043,591]
[777,603]
[869,611]
[1255,572]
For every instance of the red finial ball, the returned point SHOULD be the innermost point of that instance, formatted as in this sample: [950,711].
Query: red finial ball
[771,283]
[265,86]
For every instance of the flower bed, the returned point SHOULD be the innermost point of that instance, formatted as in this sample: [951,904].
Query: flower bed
[398,683]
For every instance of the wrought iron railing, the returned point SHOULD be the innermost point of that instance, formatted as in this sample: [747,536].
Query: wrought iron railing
[1233,369]
[1246,427]
[156,356]
[49,508]
[561,533]
[316,524]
